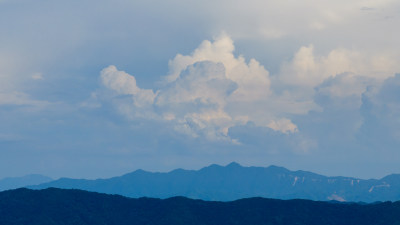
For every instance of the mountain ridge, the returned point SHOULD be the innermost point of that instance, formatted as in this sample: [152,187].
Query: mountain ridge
[8,183]
[233,181]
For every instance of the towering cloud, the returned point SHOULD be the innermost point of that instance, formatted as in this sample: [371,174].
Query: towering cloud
[207,92]
[211,91]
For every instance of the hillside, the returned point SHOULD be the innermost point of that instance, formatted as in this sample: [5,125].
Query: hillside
[58,207]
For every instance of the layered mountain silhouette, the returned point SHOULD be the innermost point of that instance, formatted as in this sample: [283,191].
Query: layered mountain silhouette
[18,182]
[59,207]
[231,182]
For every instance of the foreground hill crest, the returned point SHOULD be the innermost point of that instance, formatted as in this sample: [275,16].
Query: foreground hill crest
[58,206]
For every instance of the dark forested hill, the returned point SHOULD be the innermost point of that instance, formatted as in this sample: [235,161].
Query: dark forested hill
[231,182]
[58,206]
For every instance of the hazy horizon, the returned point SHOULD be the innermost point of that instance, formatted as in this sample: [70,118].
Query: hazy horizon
[196,169]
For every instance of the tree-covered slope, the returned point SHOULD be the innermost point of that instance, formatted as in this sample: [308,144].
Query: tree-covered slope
[58,206]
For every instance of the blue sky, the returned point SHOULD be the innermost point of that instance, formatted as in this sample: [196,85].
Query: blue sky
[100,88]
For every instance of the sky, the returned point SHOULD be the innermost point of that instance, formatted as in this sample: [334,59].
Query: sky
[92,89]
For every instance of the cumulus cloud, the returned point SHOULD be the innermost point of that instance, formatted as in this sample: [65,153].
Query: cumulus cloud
[125,84]
[337,121]
[211,90]
[357,114]
[380,111]
[283,125]
[340,77]
[206,92]
[252,78]
[132,101]
[309,70]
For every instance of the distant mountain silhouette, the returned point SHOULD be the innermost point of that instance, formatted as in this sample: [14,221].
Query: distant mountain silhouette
[18,182]
[65,207]
[235,182]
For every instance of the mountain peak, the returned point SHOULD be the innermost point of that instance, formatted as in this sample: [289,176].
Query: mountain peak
[233,165]
[277,168]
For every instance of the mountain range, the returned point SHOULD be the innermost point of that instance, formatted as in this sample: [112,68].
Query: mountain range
[59,206]
[232,182]
[17,182]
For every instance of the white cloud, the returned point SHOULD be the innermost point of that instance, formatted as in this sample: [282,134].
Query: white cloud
[207,92]
[252,78]
[309,70]
[283,125]
[346,85]
[211,90]
[125,84]
[381,112]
